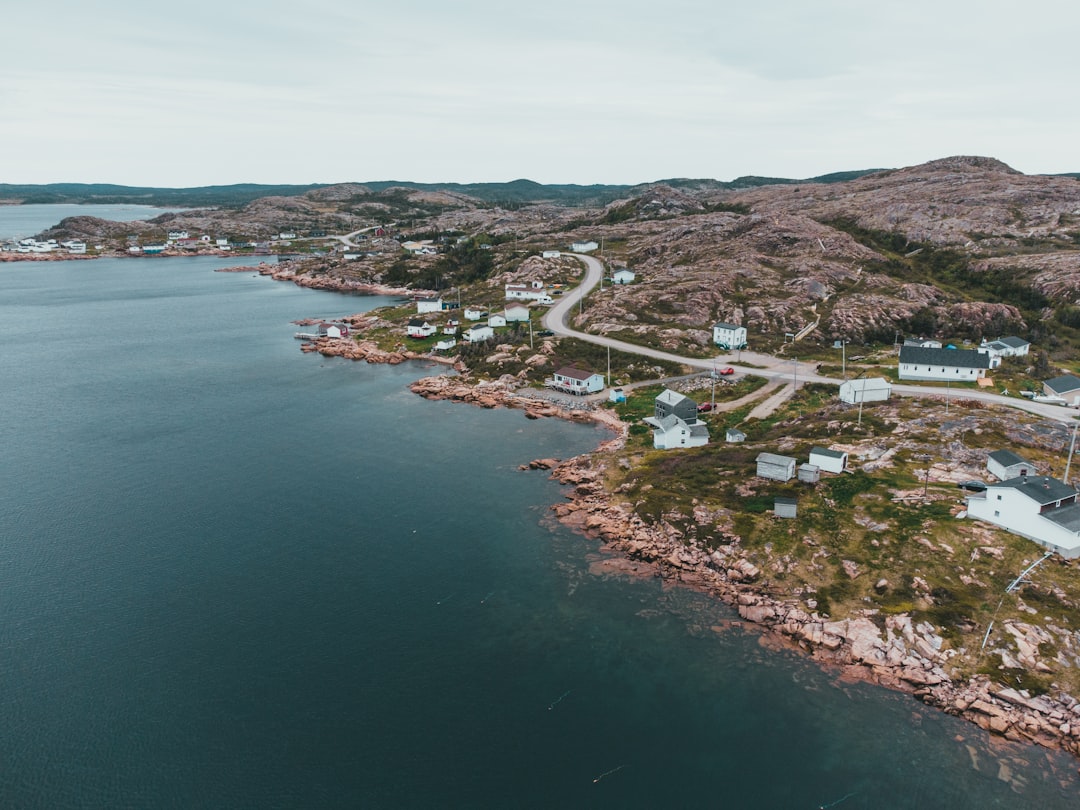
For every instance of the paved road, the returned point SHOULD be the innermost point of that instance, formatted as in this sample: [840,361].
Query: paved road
[776,368]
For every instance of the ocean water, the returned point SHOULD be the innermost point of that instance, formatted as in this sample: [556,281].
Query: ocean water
[23,221]
[236,575]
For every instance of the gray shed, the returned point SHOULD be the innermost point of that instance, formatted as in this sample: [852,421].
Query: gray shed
[734,435]
[809,473]
[1005,464]
[778,468]
[785,507]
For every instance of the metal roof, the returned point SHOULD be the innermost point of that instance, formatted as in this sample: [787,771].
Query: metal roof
[1008,458]
[1068,517]
[1064,384]
[1040,488]
[821,451]
[956,358]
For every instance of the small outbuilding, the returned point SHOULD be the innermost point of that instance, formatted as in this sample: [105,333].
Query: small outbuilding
[1005,464]
[809,473]
[834,461]
[865,389]
[496,320]
[477,333]
[516,313]
[734,435]
[785,507]
[616,395]
[419,328]
[429,305]
[1066,386]
[622,276]
[775,467]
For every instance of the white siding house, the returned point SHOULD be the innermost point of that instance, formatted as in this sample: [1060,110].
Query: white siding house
[671,432]
[429,305]
[516,313]
[478,332]
[497,320]
[550,254]
[834,461]
[729,336]
[576,381]
[1005,464]
[526,292]
[778,468]
[475,314]
[1006,347]
[623,276]
[865,389]
[420,329]
[584,247]
[1037,507]
[923,343]
[956,365]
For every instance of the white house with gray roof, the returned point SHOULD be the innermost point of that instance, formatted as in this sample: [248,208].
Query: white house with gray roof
[865,389]
[1005,347]
[1037,507]
[1066,386]
[1005,464]
[729,335]
[671,432]
[574,380]
[834,461]
[955,365]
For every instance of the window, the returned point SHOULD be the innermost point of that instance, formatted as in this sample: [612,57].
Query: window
[997,513]
[999,497]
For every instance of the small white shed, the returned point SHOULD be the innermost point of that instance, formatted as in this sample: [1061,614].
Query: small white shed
[1005,464]
[778,468]
[865,389]
[834,461]
[785,507]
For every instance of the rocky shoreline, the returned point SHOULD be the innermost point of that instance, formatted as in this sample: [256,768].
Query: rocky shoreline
[890,651]
[321,281]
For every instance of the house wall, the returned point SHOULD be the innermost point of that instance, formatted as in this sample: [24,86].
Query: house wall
[852,394]
[685,409]
[921,371]
[429,306]
[1070,397]
[1003,473]
[828,463]
[776,472]
[1014,511]
[785,510]
[678,436]
[732,337]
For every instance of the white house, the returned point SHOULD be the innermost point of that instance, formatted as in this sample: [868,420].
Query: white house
[1005,464]
[622,276]
[734,435]
[478,332]
[583,247]
[445,345]
[865,389]
[672,432]
[1037,507]
[429,305]
[550,254]
[526,292]
[1066,386]
[778,468]
[475,314]
[834,461]
[576,381]
[729,336]
[516,313]
[174,235]
[332,330]
[496,320]
[923,343]
[419,328]
[1005,347]
[956,365]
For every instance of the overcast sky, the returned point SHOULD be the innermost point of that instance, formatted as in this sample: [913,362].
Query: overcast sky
[557,91]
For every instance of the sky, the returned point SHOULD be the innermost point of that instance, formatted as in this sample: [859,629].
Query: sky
[558,91]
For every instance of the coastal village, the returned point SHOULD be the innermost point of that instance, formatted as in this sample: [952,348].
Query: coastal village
[895,502]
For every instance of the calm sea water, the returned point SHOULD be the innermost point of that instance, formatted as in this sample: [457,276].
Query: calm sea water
[235,575]
[22,221]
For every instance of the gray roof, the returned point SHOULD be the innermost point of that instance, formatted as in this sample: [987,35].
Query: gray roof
[722,325]
[957,358]
[1067,517]
[821,451]
[1014,342]
[773,458]
[1063,384]
[864,383]
[670,397]
[575,373]
[1007,458]
[1040,488]
[785,500]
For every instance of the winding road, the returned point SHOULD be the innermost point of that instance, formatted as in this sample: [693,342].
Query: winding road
[555,320]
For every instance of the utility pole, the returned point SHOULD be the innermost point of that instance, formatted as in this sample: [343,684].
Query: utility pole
[530,332]
[1072,446]
[795,376]
[609,366]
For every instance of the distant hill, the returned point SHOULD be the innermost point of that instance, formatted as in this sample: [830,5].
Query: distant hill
[515,192]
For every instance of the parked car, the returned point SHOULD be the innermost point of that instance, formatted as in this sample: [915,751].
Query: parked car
[705,407]
[726,372]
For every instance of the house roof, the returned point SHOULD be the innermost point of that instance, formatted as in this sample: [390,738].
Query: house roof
[723,325]
[417,322]
[1068,517]
[1064,384]
[735,432]
[922,342]
[868,383]
[956,358]
[1014,342]
[669,397]
[1007,458]
[517,306]
[773,458]
[1040,488]
[821,451]
[575,373]
[786,501]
